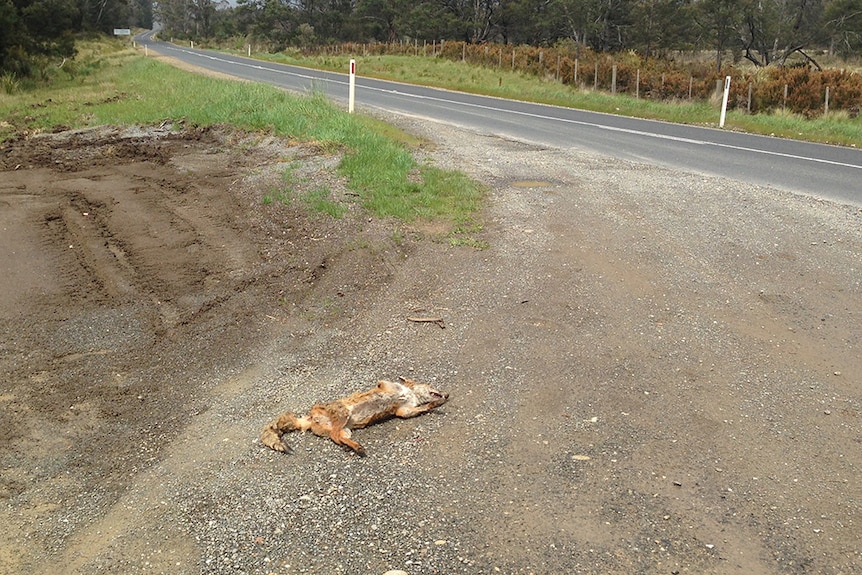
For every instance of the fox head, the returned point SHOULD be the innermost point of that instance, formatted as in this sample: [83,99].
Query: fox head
[425,394]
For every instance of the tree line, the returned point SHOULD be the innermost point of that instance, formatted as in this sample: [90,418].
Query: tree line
[38,33]
[764,32]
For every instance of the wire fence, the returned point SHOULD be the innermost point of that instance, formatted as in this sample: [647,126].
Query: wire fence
[801,90]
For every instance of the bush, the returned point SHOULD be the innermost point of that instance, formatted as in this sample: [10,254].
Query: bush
[652,78]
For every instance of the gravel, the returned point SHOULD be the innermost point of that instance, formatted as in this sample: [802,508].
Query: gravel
[645,377]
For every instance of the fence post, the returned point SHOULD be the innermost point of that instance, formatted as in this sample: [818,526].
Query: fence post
[576,73]
[826,107]
[558,72]
[724,101]
[614,79]
[596,78]
[690,84]
[513,58]
[784,102]
[638,85]
[464,52]
[351,90]
[750,90]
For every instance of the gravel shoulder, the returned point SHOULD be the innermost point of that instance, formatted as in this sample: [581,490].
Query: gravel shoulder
[650,371]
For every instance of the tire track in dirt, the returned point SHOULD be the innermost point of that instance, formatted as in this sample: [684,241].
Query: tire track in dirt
[141,262]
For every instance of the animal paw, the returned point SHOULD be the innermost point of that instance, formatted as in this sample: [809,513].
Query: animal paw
[271,439]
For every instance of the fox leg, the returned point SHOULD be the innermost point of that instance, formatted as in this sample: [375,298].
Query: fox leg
[406,412]
[271,434]
[285,423]
[339,433]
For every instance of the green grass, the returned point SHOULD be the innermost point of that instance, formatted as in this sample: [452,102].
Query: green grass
[836,128]
[316,198]
[125,88]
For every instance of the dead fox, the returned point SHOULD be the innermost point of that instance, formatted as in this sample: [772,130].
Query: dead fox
[337,418]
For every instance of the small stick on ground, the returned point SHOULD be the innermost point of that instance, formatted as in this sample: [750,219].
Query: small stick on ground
[422,319]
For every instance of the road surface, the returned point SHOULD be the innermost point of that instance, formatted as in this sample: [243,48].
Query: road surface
[830,172]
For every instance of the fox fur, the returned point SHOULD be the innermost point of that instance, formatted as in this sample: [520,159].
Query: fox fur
[336,419]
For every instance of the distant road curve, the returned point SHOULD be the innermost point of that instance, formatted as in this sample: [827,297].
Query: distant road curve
[829,172]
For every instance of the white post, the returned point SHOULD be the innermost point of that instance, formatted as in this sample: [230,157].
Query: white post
[724,101]
[352,96]
[249,50]
[146,50]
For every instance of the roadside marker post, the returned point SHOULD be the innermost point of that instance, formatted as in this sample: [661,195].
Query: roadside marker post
[352,94]
[724,101]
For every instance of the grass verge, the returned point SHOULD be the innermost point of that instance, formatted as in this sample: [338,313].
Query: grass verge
[836,128]
[125,88]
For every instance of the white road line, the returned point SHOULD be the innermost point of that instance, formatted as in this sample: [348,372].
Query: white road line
[536,116]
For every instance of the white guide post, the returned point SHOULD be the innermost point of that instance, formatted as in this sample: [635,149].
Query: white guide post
[724,101]
[352,94]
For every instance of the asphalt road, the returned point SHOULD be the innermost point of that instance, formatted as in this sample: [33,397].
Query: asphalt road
[830,172]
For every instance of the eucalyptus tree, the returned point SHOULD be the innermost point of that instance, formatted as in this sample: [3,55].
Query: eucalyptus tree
[717,25]
[842,20]
[471,20]
[276,21]
[660,25]
[36,29]
[773,30]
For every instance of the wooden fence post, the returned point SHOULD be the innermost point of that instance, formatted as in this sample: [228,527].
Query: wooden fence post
[826,107]
[576,73]
[784,102]
[750,90]
[638,85]
[614,79]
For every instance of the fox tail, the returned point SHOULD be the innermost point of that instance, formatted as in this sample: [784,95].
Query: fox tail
[271,434]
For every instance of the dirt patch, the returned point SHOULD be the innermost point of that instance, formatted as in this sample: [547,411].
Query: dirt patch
[138,264]
[650,371]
